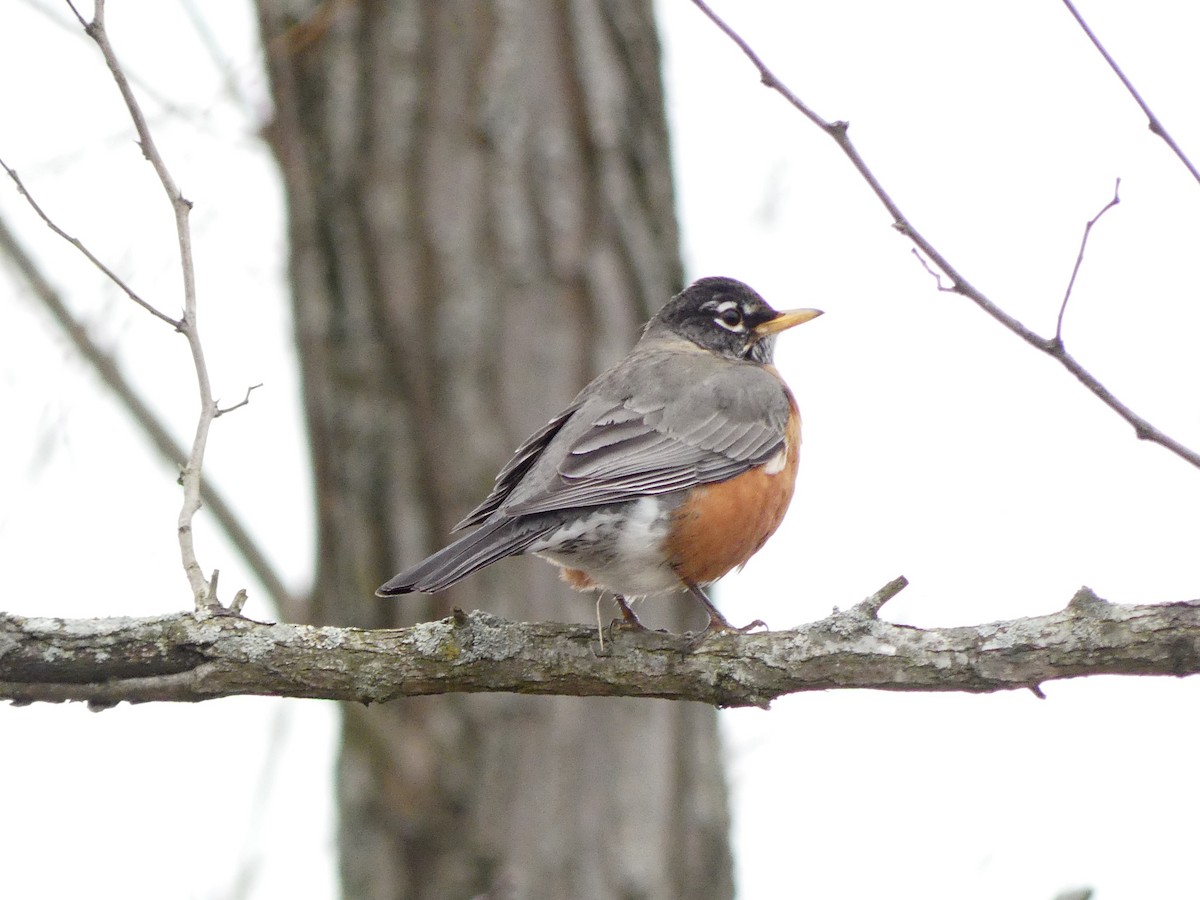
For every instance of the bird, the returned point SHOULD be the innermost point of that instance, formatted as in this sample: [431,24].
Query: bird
[666,472]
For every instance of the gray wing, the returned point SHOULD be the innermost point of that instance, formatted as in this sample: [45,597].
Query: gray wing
[523,459]
[703,424]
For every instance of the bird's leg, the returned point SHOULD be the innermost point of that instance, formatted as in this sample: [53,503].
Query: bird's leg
[631,619]
[628,621]
[716,621]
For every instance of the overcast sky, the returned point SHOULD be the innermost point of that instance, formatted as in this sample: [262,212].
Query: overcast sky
[937,445]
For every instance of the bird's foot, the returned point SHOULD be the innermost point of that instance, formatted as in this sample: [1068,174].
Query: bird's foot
[757,623]
[628,621]
[628,618]
[718,624]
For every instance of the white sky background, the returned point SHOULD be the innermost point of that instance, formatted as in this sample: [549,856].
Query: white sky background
[937,445]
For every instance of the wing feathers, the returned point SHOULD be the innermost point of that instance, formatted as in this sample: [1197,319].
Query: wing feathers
[631,449]
[625,438]
[468,554]
[524,459]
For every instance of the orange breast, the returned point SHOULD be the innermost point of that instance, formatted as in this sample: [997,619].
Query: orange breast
[721,525]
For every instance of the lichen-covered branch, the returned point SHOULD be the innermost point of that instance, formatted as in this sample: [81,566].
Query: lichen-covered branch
[185,658]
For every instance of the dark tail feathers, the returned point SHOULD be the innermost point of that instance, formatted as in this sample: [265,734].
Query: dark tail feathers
[468,554]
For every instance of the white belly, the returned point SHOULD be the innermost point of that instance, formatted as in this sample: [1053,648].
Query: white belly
[621,550]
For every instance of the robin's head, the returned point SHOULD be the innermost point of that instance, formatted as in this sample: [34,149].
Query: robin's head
[724,316]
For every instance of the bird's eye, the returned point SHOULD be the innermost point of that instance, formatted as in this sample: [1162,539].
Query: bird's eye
[731,318]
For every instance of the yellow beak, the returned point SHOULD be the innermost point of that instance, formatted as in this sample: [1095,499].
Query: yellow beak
[786,320]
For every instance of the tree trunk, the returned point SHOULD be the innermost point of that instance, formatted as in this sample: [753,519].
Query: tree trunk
[481,217]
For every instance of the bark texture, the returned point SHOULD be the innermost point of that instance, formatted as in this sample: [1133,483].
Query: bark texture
[185,658]
[481,216]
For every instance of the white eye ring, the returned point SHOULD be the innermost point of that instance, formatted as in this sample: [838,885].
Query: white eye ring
[729,317]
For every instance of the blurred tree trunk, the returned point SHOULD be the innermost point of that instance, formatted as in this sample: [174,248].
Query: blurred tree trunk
[481,216]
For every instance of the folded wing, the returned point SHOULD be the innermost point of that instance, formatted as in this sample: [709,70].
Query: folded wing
[657,441]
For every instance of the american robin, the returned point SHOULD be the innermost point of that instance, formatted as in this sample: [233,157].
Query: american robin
[663,474]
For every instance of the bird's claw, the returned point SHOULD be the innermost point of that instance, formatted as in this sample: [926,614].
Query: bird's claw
[719,625]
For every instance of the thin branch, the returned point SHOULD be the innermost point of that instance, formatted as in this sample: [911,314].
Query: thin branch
[82,248]
[181,207]
[839,132]
[767,76]
[933,273]
[1156,126]
[110,373]
[1087,230]
[873,604]
[185,657]
[78,15]
[145,86]
[222,410]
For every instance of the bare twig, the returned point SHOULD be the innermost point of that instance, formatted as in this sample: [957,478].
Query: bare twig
[112,376]
[873,604]
[839,132]
[767,76]
[188,326]
[934,273]
[238,601]
[1087,230]
[78,14]
[186,658]
[82,248]
[145,86]
[1156,126]
[243,402]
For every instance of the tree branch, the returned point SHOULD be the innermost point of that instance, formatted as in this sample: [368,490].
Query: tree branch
[1087,232]
[839,132]
[1156,126]
[187,658]
[83,248]
[190,473]
[196,492]
[151,426]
